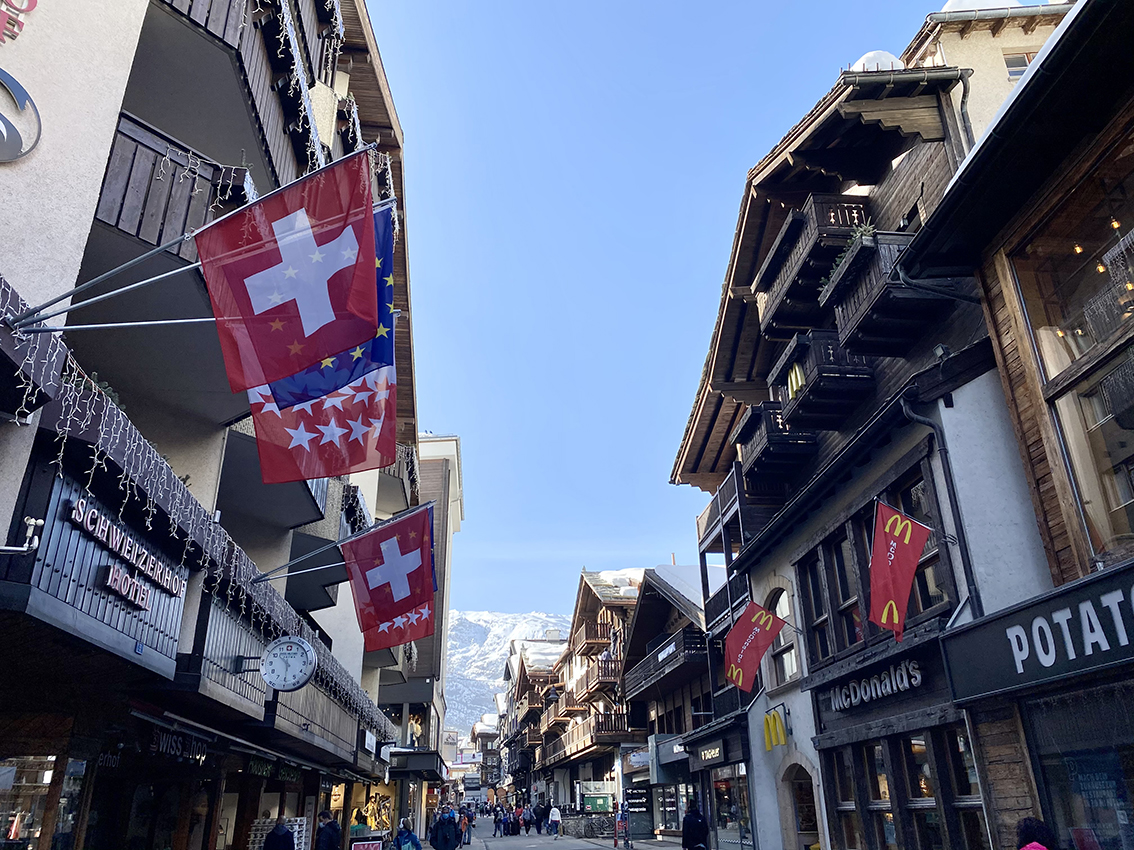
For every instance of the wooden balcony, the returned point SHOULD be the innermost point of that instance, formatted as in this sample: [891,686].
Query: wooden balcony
[591,638]
[818,383]
[676,660]
[531,737]
[788,283]
[733,595]
[601,677]
[156,188]
[600,730]
[875,315]
[769,448]
[532,701]
[738,511]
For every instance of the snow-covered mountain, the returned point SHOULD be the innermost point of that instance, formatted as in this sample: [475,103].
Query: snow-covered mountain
[476,651]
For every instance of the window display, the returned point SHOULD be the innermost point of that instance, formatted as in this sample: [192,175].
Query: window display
[24,782]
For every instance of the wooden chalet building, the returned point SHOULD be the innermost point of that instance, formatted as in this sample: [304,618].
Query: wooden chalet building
[134,713]
[665,674]
[1046,230]
[831,383]
[585,721]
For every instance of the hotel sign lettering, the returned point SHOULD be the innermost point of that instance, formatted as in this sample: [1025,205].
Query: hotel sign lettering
[119,579]
[1084,626]
[11,24]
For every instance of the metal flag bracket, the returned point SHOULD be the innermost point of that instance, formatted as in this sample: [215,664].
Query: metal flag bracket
[31,538]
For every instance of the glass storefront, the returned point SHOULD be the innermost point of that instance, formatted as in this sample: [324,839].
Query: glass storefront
[670,802]
[729,808]
[1083,744]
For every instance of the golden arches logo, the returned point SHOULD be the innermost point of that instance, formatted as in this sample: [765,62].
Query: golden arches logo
[774,732]
[735,675]
[899,521]
[764,619]
[890,606]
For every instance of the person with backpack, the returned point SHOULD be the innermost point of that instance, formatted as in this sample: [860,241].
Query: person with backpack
[694,829]
[280,838]
[329,836]
[539,813]
[529,818]
[405,839]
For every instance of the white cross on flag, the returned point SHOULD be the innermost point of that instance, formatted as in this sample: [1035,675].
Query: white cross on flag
[345,431]
[392,577]
[291,276]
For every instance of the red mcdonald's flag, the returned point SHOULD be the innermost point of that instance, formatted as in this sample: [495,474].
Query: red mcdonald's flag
[747,642]
[898,543]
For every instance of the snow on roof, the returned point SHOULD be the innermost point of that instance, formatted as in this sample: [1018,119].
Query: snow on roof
[686,580]
[717,577]
[881,60]
[542,654]
[971,5]
[615,585]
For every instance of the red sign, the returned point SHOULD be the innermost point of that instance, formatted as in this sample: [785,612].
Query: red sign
[898,544]
[749,639]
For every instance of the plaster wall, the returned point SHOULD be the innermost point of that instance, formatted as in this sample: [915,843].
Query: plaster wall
[74,59]
[341,623]
[984,53]
[268,546]
[996,506]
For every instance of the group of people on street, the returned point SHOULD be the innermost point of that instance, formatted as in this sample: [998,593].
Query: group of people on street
[509,821]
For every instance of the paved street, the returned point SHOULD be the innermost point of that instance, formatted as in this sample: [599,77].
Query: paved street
[533,840]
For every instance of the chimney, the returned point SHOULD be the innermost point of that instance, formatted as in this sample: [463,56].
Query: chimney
[551,634]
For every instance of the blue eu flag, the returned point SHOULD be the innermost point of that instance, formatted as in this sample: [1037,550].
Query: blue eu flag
[344,368]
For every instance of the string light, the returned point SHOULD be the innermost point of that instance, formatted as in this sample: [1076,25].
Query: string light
[1100,268]
[1115,223]
[1078,248]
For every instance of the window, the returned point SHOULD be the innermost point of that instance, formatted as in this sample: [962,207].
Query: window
[1076,280]
[850,824]
[928,590]
[846,591]
[785,664]
[1017,64]
[815,601]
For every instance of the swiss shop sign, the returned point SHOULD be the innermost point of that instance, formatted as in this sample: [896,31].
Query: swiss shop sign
[1082,627]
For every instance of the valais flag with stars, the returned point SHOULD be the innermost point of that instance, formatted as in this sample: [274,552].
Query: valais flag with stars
[291,276]
[392,576]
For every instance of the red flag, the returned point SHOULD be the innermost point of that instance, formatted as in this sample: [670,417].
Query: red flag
[898,543]
[747,641]
[345,431]
[291,277]
[391,575]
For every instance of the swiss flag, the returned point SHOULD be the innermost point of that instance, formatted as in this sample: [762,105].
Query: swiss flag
[746,643]
[291,276]
[899,541]
[392,576]
[348,430]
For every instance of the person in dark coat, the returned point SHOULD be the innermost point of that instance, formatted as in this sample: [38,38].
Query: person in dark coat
[405,839]
[446,833]
[694,829]
[329,835]
[280,838]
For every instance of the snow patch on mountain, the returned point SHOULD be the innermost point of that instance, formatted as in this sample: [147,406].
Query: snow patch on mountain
[475,654]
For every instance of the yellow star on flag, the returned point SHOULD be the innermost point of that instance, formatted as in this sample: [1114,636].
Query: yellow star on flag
[357,353]
[391,306]
[295,347]
[327,361]
[389,280]
[377,262]
[382,331]
[277,324]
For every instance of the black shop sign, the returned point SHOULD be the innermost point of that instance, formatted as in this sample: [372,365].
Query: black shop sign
[637,800]
[1082,627]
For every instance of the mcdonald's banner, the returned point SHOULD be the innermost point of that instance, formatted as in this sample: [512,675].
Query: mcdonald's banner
[774,732]
[898,544]
[746,644]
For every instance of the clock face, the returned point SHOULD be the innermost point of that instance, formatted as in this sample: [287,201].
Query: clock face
[288,663]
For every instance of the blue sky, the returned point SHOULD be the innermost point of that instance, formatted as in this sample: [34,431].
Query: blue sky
[573,175]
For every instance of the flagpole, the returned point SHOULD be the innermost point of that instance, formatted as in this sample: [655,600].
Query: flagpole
[53,329]
[382,524]
[173,243]
[267,577]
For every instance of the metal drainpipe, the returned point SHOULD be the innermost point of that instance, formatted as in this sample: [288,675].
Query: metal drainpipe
[975,604]
[968,124]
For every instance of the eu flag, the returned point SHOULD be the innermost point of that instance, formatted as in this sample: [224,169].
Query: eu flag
[336,372]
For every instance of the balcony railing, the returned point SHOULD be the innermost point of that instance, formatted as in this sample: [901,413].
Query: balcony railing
[531,701]
[531,737]
[774,449]
[156,188]
[598,730]
[717,605]
[591,638]
[684,652]
[600,675]
[818,383]
[873,314]
[738,511]
[788,283]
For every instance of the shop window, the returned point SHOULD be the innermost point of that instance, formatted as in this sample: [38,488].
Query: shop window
[917,767]
[928,589]
[785,663]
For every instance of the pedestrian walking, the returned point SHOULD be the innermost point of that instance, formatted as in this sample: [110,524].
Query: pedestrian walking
[529,818]
[1034,834]
[539,812]
[329,836]
[496,819]
[553,819]
[446,834]
[405,839]
[694,829]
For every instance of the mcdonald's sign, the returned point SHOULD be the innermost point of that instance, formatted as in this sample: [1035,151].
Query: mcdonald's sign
[747,642]
[898,543]
[774,732]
